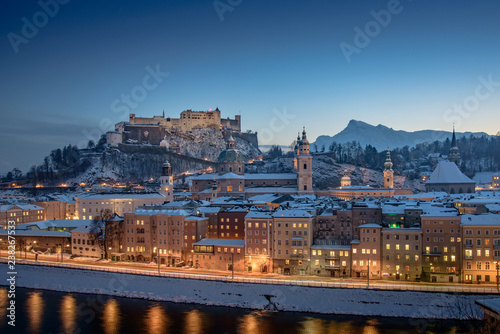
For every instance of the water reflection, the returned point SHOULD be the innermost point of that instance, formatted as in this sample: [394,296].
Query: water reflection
[3,306]
[253,323]
[194,322]
[57,312]
[111,317]
[34,308]
[316,325]
[156,320]
[68,314]
[371,327]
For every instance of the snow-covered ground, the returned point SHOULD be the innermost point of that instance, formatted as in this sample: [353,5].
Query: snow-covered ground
[410,304]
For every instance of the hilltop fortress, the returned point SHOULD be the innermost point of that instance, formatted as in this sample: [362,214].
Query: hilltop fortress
[190,120]
[152,130]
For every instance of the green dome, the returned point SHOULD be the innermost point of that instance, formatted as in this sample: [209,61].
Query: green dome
[231,155]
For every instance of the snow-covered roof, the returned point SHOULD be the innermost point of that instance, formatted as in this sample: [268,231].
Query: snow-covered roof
[490,304]
[259,214]
[291,213]
[20,206]
[493,207]
[479,220]
[393,209]
[266,197]
[82,229]
[58,223]
[448,172]
[179,212]
[430,210]
[230,176]
[208,209]
[220,242]
[195,218]
[37,233]
[271,176]
[121,196]
[371,225]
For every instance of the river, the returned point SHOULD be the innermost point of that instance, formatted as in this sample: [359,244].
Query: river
[58,312]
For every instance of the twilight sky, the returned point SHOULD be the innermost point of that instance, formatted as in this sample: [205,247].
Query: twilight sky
[86,65]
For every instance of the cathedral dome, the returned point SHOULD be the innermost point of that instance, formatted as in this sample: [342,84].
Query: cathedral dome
[231,155]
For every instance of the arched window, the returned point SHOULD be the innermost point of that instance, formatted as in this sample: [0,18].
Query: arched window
[305,186]
[305,166]
[230,169]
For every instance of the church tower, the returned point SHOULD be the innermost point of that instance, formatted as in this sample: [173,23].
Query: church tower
[304,166]
[345,181]
[167,182]
[388,172]
[454,155]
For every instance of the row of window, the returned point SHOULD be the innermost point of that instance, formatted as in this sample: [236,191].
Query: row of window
[479,265]
[319,252]
[293,243]
[407,257]
[468,252]
[478,232]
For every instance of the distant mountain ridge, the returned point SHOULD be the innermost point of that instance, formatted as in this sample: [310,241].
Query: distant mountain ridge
[382,137]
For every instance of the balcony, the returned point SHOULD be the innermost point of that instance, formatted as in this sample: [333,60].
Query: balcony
[297,256]
[468,257]
[332,257]
[334,267]
[497,246]
[469,246]
[432,254]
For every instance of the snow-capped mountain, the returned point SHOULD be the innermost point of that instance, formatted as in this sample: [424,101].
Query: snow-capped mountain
[381,137]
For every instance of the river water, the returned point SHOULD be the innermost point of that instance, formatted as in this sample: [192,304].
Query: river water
[58,312]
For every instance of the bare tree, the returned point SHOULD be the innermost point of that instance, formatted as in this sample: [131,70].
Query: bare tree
[97,231]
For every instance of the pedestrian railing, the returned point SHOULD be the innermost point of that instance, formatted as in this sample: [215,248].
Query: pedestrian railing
[274,281]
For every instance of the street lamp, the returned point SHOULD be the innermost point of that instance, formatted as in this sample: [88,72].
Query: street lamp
[368,274]
[497,264]
[232,266]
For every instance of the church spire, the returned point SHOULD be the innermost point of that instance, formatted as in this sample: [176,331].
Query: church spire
[454,155]
[453,138]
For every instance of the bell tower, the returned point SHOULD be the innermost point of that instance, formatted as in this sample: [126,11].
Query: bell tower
[167,182]
[388,172]
[304,166]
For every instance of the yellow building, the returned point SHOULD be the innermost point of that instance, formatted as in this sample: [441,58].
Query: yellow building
[292,239]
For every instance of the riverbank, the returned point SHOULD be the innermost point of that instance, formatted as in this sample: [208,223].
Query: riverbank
[373,302]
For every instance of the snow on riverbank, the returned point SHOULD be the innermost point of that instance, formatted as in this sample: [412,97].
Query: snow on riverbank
[411,304]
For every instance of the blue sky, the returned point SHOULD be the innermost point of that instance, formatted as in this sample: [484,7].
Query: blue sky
[257,58]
